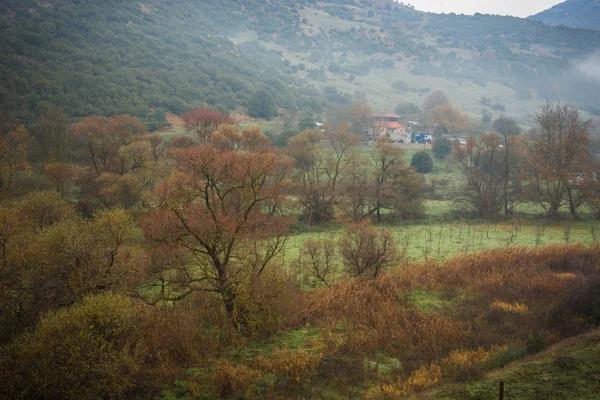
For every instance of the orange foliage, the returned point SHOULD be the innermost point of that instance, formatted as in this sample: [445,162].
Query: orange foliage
[378,319]
[449,118]
[202,123]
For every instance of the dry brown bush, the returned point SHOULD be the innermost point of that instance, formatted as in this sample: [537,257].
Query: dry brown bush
[379,318]
[557,285]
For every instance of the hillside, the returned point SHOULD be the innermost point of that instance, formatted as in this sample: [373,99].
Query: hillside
[114,58]
[146,58]
[583,14]
[566,371]
[395,54]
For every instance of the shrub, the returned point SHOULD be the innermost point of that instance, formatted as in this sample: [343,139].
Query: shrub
[536,342]
[517,308]
[400,86]
[366,251]
[318,259]
[375,319]
[83,352]
[441,148]
[458,366]
[230,380]
[291,367]
[422,162]
[505,357]
[499,107]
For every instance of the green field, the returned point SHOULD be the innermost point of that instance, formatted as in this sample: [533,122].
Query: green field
[442,240]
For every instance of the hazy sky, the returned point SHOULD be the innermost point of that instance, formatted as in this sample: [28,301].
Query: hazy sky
[519,8]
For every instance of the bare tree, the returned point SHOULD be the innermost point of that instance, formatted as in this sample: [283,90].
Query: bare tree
[319,259]
[560,161]
[482,163]
[512,156]
[385,157]
[356,188]
[366,251]
[321,166]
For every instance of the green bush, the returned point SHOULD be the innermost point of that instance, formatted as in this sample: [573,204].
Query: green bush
[536,342]
[422,162]
[503,358]
[441,148]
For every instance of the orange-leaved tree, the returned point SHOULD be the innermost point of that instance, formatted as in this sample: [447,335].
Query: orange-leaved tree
[446,118]
[212,228]
[202,123]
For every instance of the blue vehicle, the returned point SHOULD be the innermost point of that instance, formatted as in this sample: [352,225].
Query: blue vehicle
[421,138]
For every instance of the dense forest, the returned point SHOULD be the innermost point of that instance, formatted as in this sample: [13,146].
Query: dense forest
[112,58]
[147,58]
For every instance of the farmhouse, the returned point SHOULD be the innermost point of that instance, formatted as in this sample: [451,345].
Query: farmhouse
[388,125]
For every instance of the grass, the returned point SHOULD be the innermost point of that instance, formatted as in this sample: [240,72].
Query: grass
[566,371]
[429,301]
[441,239]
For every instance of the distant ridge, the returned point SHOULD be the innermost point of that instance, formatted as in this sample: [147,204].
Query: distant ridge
[582,14]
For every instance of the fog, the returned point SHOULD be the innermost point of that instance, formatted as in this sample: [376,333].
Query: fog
[590,66]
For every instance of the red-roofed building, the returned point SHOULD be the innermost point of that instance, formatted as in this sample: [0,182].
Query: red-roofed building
[388,125]
[393,130]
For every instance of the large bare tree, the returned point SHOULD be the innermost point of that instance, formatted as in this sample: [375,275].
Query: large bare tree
[559,159]
[211,226]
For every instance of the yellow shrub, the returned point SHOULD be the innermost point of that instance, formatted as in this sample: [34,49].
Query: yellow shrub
[297,366]
[459,365]
[517,308]
[423,378]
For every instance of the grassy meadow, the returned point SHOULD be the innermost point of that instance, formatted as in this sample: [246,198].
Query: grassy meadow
[442,233]
[442,240]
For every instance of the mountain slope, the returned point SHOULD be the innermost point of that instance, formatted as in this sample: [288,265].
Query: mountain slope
[583,14]
[116,57]
[112,57]
[396,54]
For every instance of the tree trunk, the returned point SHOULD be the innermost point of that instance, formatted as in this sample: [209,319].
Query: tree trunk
[553,211]
[572,205]
[237,312]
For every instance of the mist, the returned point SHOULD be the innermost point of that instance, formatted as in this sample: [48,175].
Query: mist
[590,66]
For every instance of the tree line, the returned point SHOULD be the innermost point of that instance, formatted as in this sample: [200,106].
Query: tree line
[552,165]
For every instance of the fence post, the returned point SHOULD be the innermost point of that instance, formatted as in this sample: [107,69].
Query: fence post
[501,390]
